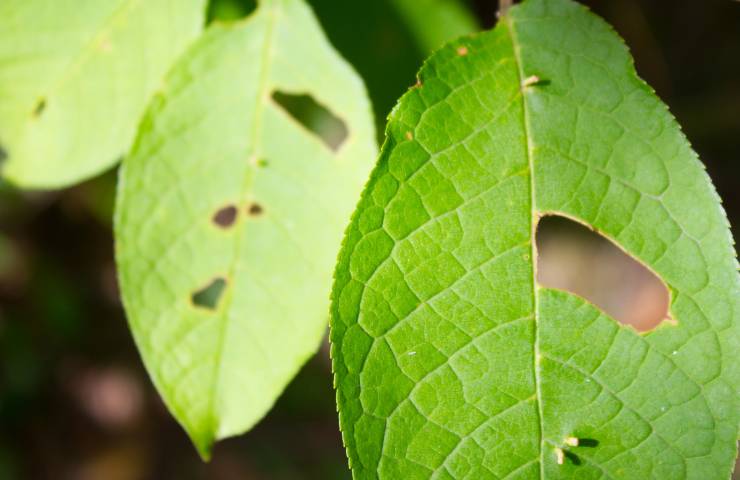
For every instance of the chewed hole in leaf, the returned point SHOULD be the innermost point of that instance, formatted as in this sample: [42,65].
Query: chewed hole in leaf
[226,216]
[576,259]
[314,117]
[209,296]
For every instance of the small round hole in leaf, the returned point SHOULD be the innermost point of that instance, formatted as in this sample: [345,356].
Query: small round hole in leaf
[255,209]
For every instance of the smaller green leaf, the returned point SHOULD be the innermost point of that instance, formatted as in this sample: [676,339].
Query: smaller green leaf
[75,78]
[230,213]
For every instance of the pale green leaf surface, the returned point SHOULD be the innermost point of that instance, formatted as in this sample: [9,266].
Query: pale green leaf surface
[75,78]
[213,138]
[450,361]
[434,22]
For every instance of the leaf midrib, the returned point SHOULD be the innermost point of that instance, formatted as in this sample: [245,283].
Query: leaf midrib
[534,219]
[254,136]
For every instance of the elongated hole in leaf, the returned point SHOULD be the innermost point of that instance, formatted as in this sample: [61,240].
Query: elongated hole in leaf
[314,117]
[226,216]
[574,258]
[209,296]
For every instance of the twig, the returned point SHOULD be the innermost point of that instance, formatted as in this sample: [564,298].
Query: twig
[504,6]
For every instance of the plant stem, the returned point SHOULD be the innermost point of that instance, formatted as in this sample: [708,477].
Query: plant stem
[503,7]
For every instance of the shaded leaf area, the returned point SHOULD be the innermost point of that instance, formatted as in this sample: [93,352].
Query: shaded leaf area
[230,213]
[450,360]
[74,82]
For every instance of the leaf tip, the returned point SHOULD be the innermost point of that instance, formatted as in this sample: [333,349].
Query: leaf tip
[204,446]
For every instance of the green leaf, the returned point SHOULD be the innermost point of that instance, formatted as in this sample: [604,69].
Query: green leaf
[450,360]
[434,22]
[76,78]
[384,39]
[230,213]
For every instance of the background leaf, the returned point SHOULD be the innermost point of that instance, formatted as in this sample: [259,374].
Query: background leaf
[230,213]
[450,361]
[386,42]
[434,22]
[75,79]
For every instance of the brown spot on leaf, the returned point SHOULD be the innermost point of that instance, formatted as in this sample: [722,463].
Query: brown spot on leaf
[225,216]
[255,209]
[462,50]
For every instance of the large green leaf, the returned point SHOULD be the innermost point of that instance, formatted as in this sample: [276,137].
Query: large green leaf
[224,188]
[75,78]
[450,360]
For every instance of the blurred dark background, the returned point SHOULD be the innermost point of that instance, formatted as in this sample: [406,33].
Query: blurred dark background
[75,401]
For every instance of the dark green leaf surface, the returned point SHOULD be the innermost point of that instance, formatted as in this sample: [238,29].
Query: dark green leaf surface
[75,78]
[230,214]
[450,360]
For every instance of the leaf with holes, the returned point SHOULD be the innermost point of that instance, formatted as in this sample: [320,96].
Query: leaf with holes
[230,212]
[450,360]
[65,72]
